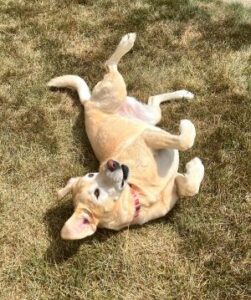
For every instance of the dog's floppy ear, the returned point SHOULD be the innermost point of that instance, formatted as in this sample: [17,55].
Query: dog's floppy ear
[79,226]
[68,188]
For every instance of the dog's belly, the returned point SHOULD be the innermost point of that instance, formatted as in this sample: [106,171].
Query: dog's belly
[167,162]
[133,109]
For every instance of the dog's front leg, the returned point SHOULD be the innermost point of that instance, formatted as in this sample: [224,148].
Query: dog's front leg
[156,100]
[157,138]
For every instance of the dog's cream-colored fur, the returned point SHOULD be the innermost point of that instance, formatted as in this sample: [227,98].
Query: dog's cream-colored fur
[124,136]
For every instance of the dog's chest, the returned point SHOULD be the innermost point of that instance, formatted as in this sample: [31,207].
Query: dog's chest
[110,136]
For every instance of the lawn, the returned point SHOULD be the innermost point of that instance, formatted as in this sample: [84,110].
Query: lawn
[201,250]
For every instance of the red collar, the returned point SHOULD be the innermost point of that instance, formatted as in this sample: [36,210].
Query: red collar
[135,196]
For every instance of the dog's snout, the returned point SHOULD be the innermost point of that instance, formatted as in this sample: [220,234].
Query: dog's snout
[112,165]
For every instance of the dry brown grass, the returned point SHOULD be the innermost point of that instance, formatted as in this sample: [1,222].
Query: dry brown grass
[201,249]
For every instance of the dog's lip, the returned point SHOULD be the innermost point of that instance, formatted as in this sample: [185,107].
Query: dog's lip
[125,171]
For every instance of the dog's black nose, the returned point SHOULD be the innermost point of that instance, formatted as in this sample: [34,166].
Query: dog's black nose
[112,165]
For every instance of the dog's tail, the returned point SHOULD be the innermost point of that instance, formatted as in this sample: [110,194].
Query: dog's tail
[73,82]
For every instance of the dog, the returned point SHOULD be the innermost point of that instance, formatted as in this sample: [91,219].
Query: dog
[138,178]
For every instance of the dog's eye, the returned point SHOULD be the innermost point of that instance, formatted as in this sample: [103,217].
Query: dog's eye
[90,175]
[97,193]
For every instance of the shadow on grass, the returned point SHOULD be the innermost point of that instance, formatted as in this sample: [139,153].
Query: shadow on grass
[60,250]
[86,154]
[223,33]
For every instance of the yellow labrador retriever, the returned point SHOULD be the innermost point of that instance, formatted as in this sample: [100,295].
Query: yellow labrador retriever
[138,178]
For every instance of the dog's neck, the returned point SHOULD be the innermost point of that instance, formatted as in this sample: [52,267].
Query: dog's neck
[124,211]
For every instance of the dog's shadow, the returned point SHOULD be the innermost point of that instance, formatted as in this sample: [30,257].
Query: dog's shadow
[61,250]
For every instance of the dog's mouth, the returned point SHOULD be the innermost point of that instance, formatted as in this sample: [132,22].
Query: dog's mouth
[118,172]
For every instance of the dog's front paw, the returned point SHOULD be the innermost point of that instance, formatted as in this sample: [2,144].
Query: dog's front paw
[187,134]
[187,95]
[195,168]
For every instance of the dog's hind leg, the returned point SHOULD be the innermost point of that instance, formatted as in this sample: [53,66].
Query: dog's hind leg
[188,184]
[157,138]
[111,92]
[123,47]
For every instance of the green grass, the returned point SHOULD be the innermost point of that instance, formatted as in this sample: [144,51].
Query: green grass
[201,250]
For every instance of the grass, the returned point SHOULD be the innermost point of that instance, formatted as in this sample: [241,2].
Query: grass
[201,250]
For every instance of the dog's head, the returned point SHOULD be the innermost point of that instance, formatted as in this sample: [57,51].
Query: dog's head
[94,197]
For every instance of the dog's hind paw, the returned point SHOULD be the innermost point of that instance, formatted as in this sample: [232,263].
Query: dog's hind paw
[128,40]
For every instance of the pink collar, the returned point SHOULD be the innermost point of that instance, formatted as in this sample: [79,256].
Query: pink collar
[135,196]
